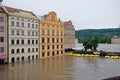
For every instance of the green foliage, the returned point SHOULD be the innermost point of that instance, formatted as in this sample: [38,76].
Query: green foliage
[91,43]
[104,35]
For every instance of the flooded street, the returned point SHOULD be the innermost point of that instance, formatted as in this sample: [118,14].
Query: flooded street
[62,68]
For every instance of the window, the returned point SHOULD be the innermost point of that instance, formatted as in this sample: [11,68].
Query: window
[12,51]
[48,32]
[1,39]
[43,54]
[12,32]
[1,19]
[2,49]
[36,41]
[48,54]
[57,33]
[28,41]
[28,25]
[18,51]
[42,32]
[36,49]
[61,33]
[22,24]
[36,21]
[52,33]
[18,32]
[17,24]
[28,33]
[57,40]
[42,47]
[36,33]
[17,42]
[53,53]
[52,40]
[22,41]
[22,19]
[28,49]
[42,40]
[22,51]
[12,41]
[61,46]
[32,49]
[22,32]
[48,47]
[61,40]
[48,40]
[57,46]
[12,23]
[61,52]
[17,18]
[32,25]
[12,17]
[52,46]
[1,28]
[36,26]
[32,41]
[57,52]
[42,24]
[32,33]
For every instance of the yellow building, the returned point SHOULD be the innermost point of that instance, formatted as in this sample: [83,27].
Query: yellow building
[51,36]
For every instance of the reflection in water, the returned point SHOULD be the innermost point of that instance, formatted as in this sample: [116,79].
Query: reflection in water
[61,68]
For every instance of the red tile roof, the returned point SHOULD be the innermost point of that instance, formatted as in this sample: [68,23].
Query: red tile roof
[67,23]
[13,10]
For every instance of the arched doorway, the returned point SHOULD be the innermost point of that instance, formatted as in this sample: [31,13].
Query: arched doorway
[33,57]
[22,58]
[28,57]
[12,59]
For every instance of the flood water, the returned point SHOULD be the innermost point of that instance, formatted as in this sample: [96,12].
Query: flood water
[61,68]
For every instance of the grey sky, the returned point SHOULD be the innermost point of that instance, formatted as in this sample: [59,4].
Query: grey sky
[85,14]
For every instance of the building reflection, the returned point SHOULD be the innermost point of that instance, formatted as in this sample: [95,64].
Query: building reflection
[52,68]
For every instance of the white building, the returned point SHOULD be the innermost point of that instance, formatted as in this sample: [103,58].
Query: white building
[23,35]
[3,34]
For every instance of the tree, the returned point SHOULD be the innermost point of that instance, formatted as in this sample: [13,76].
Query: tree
[91,43]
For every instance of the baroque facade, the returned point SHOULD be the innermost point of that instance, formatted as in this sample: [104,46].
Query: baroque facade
[3,34]
[51,36]
[69,35]
[23,34]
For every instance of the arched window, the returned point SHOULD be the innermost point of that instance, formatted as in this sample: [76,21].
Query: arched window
[22,58]
[18,51]
[12,51]
[28,49]
[36,41]
[22,51]
[32,41]
[28,41]
[32,49]
[12,41]
[22,42]
[36,49]
[17,42]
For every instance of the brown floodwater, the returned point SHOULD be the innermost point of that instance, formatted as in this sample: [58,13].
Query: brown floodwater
[61,68]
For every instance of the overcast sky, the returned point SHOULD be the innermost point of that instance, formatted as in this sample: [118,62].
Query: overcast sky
[85,14]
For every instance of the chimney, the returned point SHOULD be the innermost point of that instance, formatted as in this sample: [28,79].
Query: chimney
[1,2]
